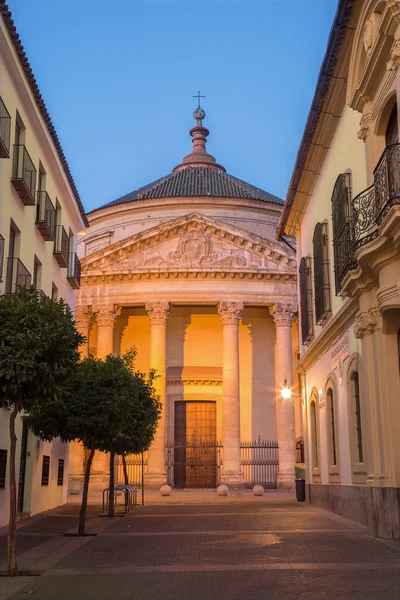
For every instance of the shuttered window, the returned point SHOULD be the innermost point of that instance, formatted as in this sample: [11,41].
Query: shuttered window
[306,309]
[3,468]
[321,273]
[342,239]
[60,472]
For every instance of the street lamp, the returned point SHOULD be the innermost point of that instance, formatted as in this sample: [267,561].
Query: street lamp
[286,392]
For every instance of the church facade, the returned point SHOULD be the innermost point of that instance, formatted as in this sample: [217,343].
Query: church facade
[187,270]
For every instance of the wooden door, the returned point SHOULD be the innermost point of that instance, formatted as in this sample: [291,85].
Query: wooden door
[195,453]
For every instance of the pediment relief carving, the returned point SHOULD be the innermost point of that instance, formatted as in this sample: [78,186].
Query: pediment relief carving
[191,243]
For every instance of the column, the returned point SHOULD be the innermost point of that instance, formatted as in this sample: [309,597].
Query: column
[105,318]
[158,312]
[82,318]
[230,314]
[283,315]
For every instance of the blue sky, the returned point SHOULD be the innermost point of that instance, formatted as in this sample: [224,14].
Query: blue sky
[118,78]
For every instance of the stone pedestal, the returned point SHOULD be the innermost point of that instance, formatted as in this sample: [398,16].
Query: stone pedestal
[158,312]
[283,316]
[231,472]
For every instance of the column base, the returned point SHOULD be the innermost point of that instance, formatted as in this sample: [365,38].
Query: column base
[232,479]
[285,481]
[153,480]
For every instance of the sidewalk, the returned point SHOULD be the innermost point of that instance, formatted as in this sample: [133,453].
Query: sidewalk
[197,545]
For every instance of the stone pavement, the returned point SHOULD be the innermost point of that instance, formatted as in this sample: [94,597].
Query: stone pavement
[195,545]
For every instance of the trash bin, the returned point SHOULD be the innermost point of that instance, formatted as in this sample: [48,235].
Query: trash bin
[300,489]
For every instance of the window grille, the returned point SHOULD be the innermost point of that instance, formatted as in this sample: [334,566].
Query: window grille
[358,417]
[342,236]
[307,328]
[331,408]
[321,273]
[60,472]
[45,470]
[3,468]
[314,433]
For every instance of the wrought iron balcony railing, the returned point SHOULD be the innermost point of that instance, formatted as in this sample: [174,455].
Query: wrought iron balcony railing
[24,175]
[17,274]
[46,216]
[61,246]
[1,257]
[74,271]
[5,131]
[371,206]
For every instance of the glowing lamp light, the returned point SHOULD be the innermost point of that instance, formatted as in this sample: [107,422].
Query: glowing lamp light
[82,232]
[286,392]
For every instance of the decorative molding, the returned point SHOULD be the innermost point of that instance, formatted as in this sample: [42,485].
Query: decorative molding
[230,312]
[218,274]
[340,351]
[367,322]
[337,324]
[365,122]
[394,5]
[106,314]
[194,382]
[394,61]
[158,313]
[283,314]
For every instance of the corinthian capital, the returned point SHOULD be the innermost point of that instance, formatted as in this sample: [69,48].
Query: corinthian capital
[283,314]
[106,314]
[230,312]
[395,6]
[158,312]
[82,316]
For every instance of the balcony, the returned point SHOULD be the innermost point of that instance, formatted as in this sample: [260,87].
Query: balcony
[61,246]
[5,130]
[24,175]
[372,205]
[46,217]
[1,257]
[17,274]
[74,271]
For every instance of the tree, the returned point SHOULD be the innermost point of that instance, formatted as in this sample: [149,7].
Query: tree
[140,422]
[38,351]
[92,408]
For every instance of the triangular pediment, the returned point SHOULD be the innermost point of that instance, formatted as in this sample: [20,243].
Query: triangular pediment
[192,242]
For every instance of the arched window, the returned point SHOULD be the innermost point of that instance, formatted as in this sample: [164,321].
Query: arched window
[331,417]
[314,435]
[357,413]
[392,129]
[342,242]
[322,294]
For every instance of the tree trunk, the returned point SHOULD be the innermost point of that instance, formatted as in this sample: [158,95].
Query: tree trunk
[82,514]
[12,527]
[125,470]
[111,512]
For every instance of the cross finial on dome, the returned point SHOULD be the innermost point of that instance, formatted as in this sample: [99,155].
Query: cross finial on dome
[199,113]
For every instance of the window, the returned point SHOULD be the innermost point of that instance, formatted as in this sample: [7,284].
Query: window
[307,326]
[45,470]
[3,468]
[12,254]
[37,272]
[321,273]
[314,436]
[60,472]
[332,428]
[342,240]
[54,292]
[357,411]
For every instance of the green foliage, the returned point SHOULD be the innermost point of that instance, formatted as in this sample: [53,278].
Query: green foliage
[104,404]
[38,348]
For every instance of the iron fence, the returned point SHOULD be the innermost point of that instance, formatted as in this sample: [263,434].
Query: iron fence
[194,465]
[259,461]
[135,464]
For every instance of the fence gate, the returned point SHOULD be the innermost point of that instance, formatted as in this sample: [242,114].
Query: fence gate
[134,468]
[193,465]
[260,461]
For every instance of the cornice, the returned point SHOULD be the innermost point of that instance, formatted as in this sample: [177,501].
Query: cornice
[193,382]
[335,327]
[95,278]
